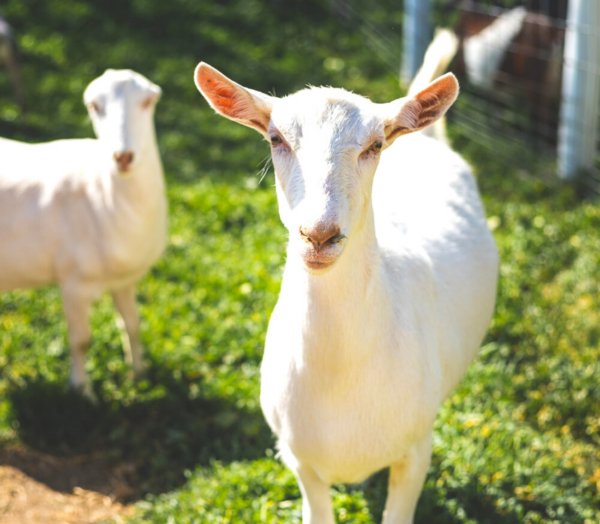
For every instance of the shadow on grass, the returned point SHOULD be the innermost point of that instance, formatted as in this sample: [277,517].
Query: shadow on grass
[465,504]
[158,434]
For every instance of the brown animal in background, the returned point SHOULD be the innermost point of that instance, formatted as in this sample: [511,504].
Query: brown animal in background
[518,53]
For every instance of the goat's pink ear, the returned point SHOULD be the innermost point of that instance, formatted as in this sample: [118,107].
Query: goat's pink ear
[245,106]
[411,114]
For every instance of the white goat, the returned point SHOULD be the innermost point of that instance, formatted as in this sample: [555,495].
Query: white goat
[388,288]
[90,215]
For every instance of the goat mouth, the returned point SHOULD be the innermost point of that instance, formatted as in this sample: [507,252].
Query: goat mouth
[317,263]
[124,170]
[317,268]
[313,264]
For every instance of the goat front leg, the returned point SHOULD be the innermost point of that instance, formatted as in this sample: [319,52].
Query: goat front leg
[406,482]
[316,500]
[124,299]
[76,305]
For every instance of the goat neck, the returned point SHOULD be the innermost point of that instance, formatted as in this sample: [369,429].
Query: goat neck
[339,311]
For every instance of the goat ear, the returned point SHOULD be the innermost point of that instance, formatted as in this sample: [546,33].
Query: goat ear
[248,107]
[411,114]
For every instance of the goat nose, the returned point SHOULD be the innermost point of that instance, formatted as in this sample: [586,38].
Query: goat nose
[123,159]
[318,236]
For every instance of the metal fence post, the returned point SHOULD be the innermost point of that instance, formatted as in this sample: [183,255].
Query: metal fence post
[417,35]
[580,89]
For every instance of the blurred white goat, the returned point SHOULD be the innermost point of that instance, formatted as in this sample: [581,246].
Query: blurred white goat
[9,58]
[90,215]
[388,288]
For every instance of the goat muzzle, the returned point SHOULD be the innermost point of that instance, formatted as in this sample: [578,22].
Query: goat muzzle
[123,160]
[321,237]
[323,246]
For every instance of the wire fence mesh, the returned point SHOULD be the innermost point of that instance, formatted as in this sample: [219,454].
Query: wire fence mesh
[511,63]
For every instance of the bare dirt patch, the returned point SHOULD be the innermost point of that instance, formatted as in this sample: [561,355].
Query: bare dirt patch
[42,489]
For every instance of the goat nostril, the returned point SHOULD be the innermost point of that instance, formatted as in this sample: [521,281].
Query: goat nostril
[318,237]
[305,236]
[123,158]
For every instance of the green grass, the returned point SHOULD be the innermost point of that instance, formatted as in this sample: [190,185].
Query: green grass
[517,442]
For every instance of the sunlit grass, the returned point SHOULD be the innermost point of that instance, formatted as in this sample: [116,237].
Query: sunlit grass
[516,443]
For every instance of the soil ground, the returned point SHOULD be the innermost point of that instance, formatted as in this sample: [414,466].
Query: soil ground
[42,489]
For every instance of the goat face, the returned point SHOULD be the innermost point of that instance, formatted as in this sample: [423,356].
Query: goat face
[121,106]
[325,144]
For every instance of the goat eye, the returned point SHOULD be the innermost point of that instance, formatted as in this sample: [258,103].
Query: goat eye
[376,146]
[276,140]
[372,150]
[94,107]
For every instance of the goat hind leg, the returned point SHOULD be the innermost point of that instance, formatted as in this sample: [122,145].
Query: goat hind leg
[124,299]
[406,482]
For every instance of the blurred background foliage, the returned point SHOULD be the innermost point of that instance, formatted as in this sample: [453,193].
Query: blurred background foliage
[272,46]
[518,441]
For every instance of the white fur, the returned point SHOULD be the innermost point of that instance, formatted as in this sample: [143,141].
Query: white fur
[68,215]
[439,54]
[361,352]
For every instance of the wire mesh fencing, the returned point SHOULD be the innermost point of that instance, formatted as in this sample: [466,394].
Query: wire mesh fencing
[529,71]
[509,61]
